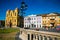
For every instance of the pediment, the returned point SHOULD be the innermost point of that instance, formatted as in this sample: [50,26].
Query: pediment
[52,14]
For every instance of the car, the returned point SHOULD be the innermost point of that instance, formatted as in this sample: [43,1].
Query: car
[37,29]
[26,27]
[58,28]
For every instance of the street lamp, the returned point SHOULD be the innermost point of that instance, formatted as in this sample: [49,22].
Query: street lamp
[22,9]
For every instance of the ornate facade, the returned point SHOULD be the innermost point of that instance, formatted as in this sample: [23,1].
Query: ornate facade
[51,20]
[13,19]
[28,34]
[33,21]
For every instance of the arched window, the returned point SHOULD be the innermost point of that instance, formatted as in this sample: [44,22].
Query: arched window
[11,14]
[15,13]
[32,37]
[28,36]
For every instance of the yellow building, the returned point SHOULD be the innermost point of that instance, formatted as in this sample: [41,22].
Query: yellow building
[13,19]
[51,20]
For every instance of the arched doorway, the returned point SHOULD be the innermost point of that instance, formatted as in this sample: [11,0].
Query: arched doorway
[10,24]
[52,24]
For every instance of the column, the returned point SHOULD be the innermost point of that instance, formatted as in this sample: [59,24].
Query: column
[43,37]
[47,38]
[33,37]
[40,37]
[30,36]
[36,37]
[53,38]
[58,38]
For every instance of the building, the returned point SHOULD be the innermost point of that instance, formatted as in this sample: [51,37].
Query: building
[33,21]
[51,20]
[2,23]
[13,19]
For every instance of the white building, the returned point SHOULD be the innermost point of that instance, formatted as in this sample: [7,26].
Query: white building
[33,21]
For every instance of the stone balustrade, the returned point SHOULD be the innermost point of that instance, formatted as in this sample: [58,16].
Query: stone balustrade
[28,34]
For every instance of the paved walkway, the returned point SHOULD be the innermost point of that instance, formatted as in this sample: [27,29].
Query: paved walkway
[17,36]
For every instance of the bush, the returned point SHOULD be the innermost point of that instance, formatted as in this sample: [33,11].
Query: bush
[9,30]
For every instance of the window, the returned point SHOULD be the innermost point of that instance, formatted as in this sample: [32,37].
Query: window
[40,25]
[29,26]
[15,14]
[25,25]
[25,19]
[29,18]
[59,20]
[15,20]
[34,22]
[8,14]
[11,14]
[43,21]
[34,18]
[34,25]
[39,21]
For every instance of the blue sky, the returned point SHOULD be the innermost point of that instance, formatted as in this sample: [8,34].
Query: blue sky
[34,6]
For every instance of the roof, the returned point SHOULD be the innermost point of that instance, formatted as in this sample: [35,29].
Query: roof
[50,14]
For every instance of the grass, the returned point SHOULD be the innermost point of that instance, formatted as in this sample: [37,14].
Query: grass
[8,33]
[8,30]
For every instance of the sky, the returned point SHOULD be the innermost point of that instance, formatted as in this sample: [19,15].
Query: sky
[34,6]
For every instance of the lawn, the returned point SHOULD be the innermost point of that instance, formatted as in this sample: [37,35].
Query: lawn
[8,33]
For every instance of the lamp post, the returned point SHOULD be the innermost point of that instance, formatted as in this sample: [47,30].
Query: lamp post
[22,11]
[23,8]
